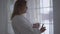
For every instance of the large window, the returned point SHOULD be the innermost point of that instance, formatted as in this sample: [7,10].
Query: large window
[40,11]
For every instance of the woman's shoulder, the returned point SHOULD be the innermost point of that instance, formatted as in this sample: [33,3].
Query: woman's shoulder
[16,17]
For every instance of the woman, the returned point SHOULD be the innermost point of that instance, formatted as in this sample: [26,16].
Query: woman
[20,24]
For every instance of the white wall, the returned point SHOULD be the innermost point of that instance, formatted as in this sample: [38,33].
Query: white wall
[3,16]
[56,4]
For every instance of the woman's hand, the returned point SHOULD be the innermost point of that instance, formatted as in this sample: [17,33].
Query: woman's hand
[42,29]
[36,25]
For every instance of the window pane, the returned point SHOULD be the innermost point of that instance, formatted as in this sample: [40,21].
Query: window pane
[41,3]
[45,21]
[31,4]
[51,29]
[45,10]
[46,3]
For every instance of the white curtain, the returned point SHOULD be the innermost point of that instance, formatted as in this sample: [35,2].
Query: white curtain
[41,11]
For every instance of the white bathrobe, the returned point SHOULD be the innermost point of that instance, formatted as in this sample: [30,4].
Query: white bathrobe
[22,26]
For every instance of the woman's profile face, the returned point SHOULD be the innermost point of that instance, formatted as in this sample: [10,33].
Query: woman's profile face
[25,9]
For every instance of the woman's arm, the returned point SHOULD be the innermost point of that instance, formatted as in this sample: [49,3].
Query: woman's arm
[36,26]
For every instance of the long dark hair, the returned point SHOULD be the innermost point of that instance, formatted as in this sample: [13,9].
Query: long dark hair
[18,3]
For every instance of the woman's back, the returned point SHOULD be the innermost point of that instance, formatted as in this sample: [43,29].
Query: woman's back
[22,26]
